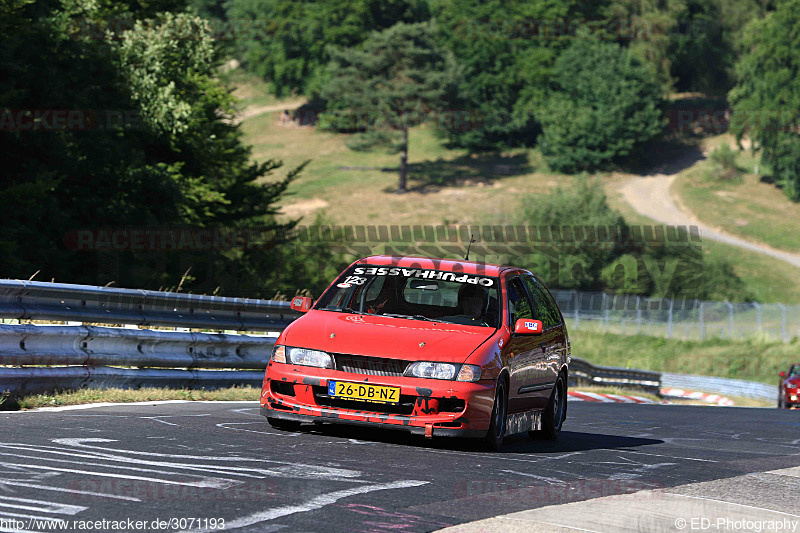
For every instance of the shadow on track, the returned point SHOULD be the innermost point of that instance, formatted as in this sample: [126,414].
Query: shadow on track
[569,441]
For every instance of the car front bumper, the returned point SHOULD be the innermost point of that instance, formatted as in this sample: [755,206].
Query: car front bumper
[428,406]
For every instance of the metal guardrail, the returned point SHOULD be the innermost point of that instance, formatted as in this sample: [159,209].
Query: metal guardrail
[35,300]
[583,372]
[23,381]
[75,356]
[735,387]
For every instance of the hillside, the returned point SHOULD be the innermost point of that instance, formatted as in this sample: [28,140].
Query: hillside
[446,186]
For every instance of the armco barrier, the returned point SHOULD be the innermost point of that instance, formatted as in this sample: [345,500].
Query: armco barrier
[734,387]
[584,373]
[75,356]
[36,300]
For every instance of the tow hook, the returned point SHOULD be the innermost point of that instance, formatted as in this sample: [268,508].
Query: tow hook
[428,431]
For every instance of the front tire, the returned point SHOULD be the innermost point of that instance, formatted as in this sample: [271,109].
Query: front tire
[497,427]
[553,416]
[283,425]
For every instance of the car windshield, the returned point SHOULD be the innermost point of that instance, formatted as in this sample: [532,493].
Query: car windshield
[417,294]
[794,371]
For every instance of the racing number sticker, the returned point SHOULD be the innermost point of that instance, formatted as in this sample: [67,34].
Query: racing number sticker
[531,325]
[355,280]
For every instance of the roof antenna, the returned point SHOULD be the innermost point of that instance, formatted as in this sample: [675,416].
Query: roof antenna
[471,240]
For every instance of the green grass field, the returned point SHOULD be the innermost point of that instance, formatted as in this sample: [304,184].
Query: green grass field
[746,207]
[754,360]
[768,280]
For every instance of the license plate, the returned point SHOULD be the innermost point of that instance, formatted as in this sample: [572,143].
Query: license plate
[363,392]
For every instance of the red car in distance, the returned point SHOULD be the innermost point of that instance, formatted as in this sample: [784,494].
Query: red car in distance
[430,346]
[789,388]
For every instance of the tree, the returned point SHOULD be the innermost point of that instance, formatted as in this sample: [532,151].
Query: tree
[287,42]
[597,250]
[178,162]
[604,106]
[397,79]
[507,50]
[766,98]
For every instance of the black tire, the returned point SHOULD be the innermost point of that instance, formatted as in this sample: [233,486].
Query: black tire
[555,412]
[780,403]
[284,425]
[497,427]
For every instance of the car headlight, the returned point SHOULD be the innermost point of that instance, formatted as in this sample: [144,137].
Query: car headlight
[431,370]
[424,369]
[302,356]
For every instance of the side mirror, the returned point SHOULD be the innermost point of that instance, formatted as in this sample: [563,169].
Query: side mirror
[782,375]
[301,304]
[527,326]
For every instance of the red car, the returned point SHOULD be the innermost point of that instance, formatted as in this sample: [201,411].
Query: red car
[430,346]
[789,388]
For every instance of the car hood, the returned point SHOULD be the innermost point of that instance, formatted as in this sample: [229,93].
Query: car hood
[379,336]
[793,382]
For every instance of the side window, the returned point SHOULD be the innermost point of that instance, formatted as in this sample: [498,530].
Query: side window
[545,308]
[375,288]
[519,306]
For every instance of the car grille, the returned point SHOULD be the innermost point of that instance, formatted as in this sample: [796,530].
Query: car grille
[373,366]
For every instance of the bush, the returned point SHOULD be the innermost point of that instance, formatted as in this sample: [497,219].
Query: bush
[591,247]
[723,165]
[605,106]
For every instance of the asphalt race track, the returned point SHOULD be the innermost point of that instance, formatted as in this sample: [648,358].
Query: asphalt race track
[211,461]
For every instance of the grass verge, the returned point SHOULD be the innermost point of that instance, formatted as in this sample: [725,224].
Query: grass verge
[753,360]
[84,396]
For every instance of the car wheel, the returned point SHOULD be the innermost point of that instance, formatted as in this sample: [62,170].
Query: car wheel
[497,427]
[553,416]
[285,425]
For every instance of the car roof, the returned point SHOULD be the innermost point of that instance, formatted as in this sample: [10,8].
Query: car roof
[448,265]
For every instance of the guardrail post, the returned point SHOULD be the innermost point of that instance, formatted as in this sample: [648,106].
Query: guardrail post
[758,316]
[577,305]
[700,312]
[638,316]
[605,310]
[669,318]
[730,318]
[783,323]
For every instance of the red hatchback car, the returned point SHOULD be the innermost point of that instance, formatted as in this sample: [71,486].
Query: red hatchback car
[430,346]
[789,388]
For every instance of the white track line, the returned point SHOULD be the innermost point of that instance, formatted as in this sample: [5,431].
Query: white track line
[120,404]
[71,491]
[41,506]
[201,484]
[318,502]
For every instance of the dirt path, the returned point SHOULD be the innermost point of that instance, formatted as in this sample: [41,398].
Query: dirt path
[254,111]
[652,197]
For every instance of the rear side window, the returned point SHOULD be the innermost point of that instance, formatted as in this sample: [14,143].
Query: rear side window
[545,308]
[519,306]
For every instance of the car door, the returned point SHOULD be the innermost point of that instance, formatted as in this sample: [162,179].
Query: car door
[523,350]
[550,342]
